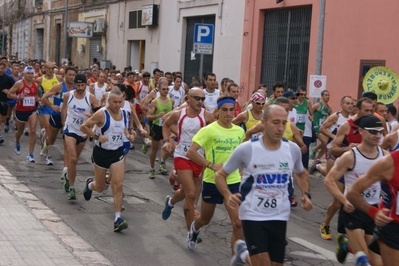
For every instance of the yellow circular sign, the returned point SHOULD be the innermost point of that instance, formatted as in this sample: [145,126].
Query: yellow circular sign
[382,81]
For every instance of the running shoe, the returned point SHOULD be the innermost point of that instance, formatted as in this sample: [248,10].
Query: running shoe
[72,194]
[144,148]
[120,224]
[294,203]
[30,158]
[66,184]
[313,167]
[6,129]
[17,148]
[162,168]
[361,259]
[192,238]
[44,150]
[325,232]
[87,191]
[49,161]
[151,175]
[239,248]
[342,247]
[1,139]
[64,173]
[167,210]
[26,131]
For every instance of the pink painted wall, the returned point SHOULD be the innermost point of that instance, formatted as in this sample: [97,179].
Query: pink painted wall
[354,30]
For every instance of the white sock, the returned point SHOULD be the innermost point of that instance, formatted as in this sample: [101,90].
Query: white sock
[65,169]
[170,202]
[117,215]
[243,255]
[89,186]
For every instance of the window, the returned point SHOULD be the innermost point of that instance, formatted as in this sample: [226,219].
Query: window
[366,65]
[135,19]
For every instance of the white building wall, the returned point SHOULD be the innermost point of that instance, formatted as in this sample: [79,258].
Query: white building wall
[229,21]
[21,38]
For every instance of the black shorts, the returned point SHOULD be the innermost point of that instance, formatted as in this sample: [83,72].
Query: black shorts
[387,234]
[210,193]
[266,236]
[79,139]
[156,132]
[355,220]
[105,158]
[24,116]
[3,108]
[55,121]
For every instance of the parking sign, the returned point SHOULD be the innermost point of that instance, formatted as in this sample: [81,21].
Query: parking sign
[203,38]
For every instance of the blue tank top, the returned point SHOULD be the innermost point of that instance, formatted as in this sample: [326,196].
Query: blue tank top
[58,99]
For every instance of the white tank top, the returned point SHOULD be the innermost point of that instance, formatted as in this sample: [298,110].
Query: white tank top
[143,91]
[211,99]
[334,128]
[265,183]
[77,113]
[99,91]
[177,95]
[187,127]
[128,111]
[361,166]
[113,130]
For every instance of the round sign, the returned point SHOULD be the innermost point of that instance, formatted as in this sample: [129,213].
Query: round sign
[382,81]
[318,84]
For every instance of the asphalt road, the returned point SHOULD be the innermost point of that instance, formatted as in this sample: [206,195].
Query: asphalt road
[149,240]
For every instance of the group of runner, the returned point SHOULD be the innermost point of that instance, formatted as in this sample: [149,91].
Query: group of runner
[245,157]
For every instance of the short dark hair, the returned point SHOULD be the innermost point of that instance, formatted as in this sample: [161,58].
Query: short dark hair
[323,92]
[232,85]
[371,95]
[262,85]
[156,70]
[282,100]
[177,76]
[360,102]
[130,73]
[209,74]
[168,73]
[195,84]
[343,99]
[146,75]
[392,110]
[70,68]
[278,85]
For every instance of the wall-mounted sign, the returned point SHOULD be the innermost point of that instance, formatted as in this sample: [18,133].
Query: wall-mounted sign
[80,29]
[149,15]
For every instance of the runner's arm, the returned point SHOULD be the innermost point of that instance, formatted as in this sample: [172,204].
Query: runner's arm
[96,119]
[240,118]
[150,113]
[12,93]
[336,148]
[331,120]
[64,108]
[193,155]
[54,91]
[253,130]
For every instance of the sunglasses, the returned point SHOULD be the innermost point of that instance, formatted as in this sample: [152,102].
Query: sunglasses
[165,89]
[292,98]
[374,131]
[50,68]
[258,103]
[198,98]
[301,94]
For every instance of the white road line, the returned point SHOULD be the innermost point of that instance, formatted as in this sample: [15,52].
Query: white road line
[327,254]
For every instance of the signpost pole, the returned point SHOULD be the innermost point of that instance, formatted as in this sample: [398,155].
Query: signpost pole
[201,67]
[65,29]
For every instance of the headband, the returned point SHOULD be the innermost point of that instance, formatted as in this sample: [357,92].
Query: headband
[226,100]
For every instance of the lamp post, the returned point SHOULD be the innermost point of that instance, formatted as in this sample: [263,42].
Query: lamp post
[65,29]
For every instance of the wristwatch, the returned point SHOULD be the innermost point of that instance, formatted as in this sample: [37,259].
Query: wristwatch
[96,136]
[308,194]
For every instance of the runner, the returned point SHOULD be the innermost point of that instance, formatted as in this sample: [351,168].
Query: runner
[111,123]
[189,121]
[218,139]
[177,92]
[251,117]
[27,95]
[6,82]
[354,163]
[100,87]
[57,94]
[386,217]
[264,196]
[77,109]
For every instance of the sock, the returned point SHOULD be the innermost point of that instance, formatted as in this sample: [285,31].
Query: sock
[243,255]
[317,166]
[152,169]
[72,187]
[161,161]
[65,169]
[170,203]
[89,186]
[117,215]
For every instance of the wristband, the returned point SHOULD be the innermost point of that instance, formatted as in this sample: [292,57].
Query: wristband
[208,165]
[166,140]
[372,212]
[96,136]
[308,194]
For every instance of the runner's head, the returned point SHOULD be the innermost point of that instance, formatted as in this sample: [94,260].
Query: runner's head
[283,102]
[80,83]
[258,101]
[364,106]
[115,100]
[226,108]
[347,104]
[28,73]
[371,128]
[274,121]
[70,73]
[278,89]
[196,98]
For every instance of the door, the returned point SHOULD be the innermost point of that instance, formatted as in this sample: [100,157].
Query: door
[286,46]
[192,67]
[137,55]
[39,37]
[95,49]
[58,44]
[365,66]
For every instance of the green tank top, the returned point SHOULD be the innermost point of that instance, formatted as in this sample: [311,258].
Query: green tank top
[320,115]
[301,110]
[162,107]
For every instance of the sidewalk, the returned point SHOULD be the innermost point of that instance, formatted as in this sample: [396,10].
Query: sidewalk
[32,234]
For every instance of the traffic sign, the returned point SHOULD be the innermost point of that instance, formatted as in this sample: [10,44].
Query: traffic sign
[203,38]
[317,85]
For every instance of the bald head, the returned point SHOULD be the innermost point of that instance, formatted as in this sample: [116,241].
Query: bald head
[273,110]
[196,91]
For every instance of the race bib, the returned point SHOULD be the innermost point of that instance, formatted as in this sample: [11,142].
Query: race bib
[77,120]
[301,118]
[321,121]
[370,193]
[116,137]
[182,148]
[28,101]
[267,203]
[160,122]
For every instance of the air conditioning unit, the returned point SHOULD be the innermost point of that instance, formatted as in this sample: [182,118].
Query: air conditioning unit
[99,25]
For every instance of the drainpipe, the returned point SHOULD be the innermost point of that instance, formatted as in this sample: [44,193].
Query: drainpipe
[320,36]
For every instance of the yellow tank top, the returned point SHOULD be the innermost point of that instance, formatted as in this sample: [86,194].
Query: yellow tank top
[251,121]
[288,134]
[152,84]
[47,84]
